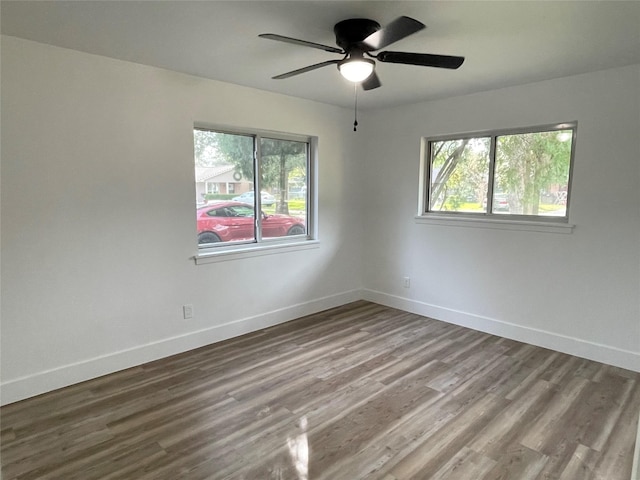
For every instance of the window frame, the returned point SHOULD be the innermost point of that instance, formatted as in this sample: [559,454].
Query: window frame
[490,219]
[259,245]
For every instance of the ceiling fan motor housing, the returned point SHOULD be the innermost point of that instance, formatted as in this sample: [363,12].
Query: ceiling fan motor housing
[350,33]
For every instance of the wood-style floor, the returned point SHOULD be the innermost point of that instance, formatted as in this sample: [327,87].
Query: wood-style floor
[359,391]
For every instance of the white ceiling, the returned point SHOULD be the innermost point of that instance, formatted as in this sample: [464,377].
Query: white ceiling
[505,42]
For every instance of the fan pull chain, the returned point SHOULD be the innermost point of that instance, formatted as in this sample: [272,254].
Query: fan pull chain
[355,115]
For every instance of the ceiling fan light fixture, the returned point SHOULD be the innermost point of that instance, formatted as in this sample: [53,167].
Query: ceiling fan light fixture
[358,37]
[356,69]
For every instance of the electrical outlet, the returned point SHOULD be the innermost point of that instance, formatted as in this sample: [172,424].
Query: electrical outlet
[406,282]
[187,311]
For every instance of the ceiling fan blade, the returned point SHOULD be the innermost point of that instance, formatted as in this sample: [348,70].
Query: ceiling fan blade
[371,82]
[304,43]
[422,59]
[396,30]
[305,69]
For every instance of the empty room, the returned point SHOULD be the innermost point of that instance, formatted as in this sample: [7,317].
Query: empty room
[273,240]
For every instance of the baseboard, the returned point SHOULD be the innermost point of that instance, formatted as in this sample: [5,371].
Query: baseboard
[46,381]
[635,474]
[571,345]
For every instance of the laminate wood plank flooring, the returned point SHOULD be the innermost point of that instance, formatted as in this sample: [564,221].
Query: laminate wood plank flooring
[360,391]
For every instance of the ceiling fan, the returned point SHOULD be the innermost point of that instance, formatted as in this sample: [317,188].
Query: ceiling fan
[357,38]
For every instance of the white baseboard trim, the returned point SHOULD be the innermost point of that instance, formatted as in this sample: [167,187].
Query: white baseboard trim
[46,381]
[635,473]
[561,343]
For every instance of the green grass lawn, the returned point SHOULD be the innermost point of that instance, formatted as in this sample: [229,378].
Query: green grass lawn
[296,208]
[476,207]
[550,207]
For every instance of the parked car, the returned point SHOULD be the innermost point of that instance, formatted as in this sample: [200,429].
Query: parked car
[500,202]
[228,221]
[297,192]
[248,197]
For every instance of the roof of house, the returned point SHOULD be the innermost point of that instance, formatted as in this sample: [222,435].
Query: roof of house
[207,173]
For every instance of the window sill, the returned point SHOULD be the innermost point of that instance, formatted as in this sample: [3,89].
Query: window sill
[499,224]
[238,252]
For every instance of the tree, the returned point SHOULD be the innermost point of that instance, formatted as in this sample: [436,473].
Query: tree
[205,151]
[446,157]
[528,164]
[236,150]
[277,159]
[460,170]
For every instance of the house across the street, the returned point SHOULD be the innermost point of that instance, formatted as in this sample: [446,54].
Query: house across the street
[221,179]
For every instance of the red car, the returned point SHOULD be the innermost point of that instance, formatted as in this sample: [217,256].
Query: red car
[232,221]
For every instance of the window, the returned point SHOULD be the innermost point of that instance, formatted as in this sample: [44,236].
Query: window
[212,187]
[252,162]
[524,174]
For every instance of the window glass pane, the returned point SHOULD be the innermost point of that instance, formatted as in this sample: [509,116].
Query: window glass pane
[283,175]
[224,165]
[532,173]
[459,175]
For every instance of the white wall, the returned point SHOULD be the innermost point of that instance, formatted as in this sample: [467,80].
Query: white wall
[98,220]
[578,293]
